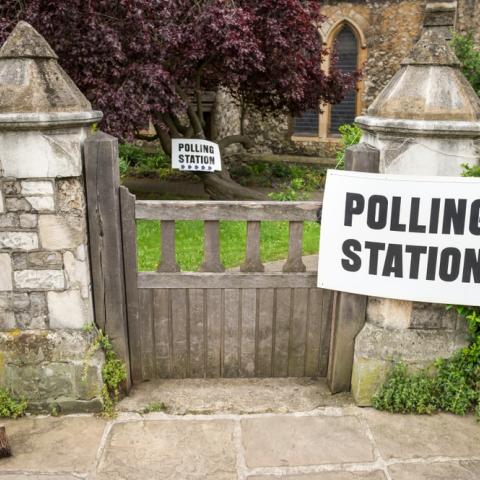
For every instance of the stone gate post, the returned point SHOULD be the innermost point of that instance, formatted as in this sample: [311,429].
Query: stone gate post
[45,294]
[425,122]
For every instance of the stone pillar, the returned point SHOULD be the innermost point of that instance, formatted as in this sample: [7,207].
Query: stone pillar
[45,294]
[425,122]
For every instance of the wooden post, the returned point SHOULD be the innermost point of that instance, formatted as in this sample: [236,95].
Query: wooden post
[253,261]
[102,184]
[168,262]
[349,310]
[212,261]
[294,262]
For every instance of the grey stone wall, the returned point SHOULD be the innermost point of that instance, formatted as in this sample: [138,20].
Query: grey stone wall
[43,254]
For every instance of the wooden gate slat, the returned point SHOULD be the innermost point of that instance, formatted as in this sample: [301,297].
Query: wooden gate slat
[146,333]
[265,332]
[314,333]
[196,318]
[161,312]
[214,331]
[231,357]
[298,330]
[179,332]
[327,315]
[249,313]
[282,332]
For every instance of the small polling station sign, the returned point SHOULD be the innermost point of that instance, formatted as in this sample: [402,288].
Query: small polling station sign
[402,237]
[189,154]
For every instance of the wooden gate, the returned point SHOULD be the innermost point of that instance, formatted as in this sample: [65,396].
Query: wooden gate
[217,323]
[212,323]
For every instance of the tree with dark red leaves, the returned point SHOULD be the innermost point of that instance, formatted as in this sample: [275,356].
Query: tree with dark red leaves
[141,60]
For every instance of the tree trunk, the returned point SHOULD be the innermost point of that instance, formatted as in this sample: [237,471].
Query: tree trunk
[222,187]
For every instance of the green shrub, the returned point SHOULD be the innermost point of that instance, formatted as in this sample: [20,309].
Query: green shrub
[405,392]
[11,407]
[469,55]
[135,160]
[351,135]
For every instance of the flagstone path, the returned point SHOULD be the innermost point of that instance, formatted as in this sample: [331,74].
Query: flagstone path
[323,443]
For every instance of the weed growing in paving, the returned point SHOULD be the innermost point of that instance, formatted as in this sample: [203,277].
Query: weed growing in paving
[155,407]
[11,407]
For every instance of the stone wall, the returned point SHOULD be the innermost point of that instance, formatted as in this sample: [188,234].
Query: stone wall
[45,292]
[45,275]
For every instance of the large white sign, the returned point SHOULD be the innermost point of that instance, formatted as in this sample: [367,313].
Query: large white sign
[393,236]
[195,155]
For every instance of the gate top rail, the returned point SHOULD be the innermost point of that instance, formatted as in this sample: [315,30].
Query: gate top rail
[172,210]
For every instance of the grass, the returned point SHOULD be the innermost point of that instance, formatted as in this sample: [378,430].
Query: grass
[189,243]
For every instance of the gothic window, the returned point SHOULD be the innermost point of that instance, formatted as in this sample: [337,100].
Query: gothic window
[315,124]
[347,50]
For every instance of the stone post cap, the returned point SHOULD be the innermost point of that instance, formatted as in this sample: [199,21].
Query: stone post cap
[34,89]
[429,89]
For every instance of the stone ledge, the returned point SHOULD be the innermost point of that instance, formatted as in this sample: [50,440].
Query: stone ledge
[52,369]
[377,349]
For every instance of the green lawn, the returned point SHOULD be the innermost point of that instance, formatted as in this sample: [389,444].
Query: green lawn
[189,243]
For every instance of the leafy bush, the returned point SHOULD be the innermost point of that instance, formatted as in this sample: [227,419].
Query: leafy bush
[135,160]
[351,135]
[11,407]
[469,55]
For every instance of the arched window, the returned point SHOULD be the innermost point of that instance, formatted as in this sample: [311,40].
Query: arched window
[347,50]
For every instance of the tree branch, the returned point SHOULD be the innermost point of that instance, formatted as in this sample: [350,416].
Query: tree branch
[233,139]
[198,94]
[194,120]
[164,138]
[180,127]
[168,121]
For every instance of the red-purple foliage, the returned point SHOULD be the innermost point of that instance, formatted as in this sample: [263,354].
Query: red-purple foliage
[141,59]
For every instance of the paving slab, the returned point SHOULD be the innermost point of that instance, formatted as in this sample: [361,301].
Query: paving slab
[277,441]
[239,395]
[436,471]
[170,450]
[422,436]
[53,445]
[29,476]
[377,475]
